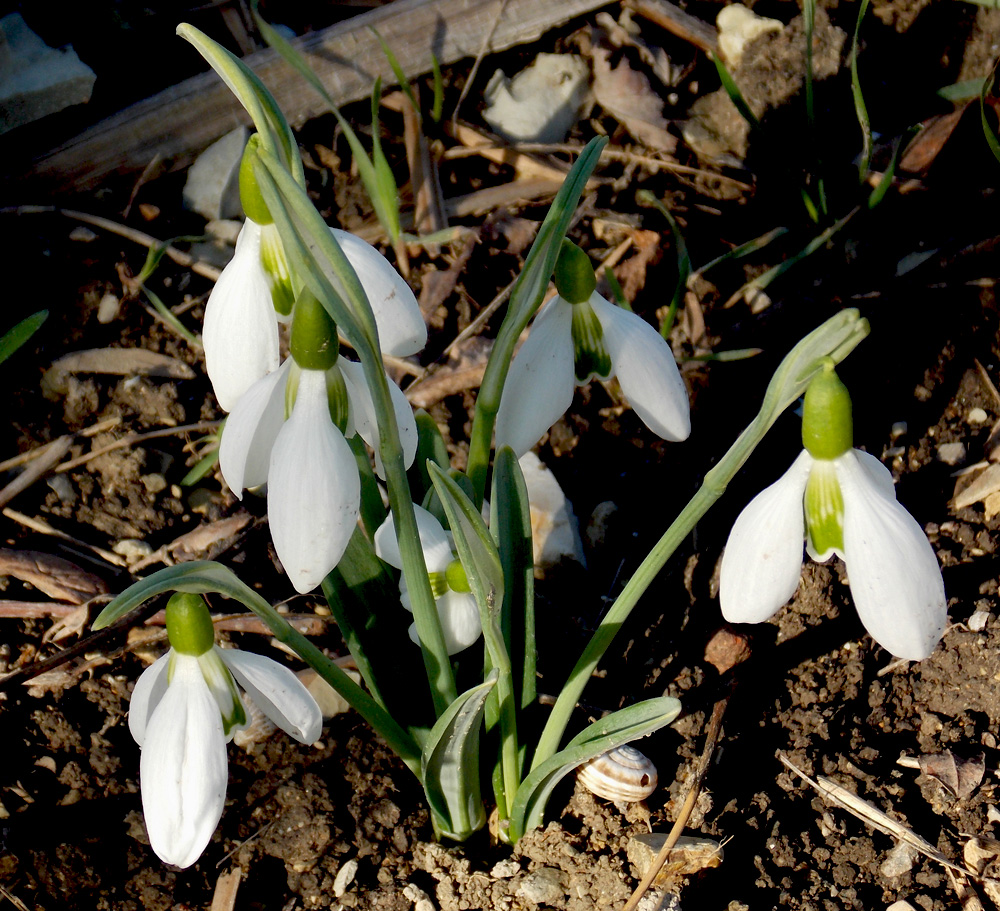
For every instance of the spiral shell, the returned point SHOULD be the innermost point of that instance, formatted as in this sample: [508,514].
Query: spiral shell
[623,774]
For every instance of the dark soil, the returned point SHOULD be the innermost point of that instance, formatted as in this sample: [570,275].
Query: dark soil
[342,824]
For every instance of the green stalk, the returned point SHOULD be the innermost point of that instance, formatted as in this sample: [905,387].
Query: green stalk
[836,338]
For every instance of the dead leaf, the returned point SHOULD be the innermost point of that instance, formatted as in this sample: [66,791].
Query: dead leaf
[979,853]
[56,577]
[631,274]
[927,144]
[627,95]
[61,678]
[960,776]
[72,624]
[460,373]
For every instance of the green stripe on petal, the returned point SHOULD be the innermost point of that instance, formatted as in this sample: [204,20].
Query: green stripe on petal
[223,688]
[275,264]
[590,354]
[824,512]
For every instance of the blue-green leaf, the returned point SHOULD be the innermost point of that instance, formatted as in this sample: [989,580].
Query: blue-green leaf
[14,338]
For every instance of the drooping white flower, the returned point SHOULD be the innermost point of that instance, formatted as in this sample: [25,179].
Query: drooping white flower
[401,326]
[240,334]
[843,504]
[314,492]
[456,606]
[183,711]
[571,343]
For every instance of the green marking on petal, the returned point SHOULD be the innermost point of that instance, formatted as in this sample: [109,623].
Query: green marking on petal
[223,688]
[439,584]
[589,352]
[275,265]
[337,398]
[458,581]
[824,512]
[189,624]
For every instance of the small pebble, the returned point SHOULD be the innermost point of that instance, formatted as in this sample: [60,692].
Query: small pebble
[544,886]
[505,869]
[951,453]
[900,906]
[978,620]
[992,814]
[154,483]
[898,861]
[132,549]
[977,416]
[898,429]
[82,235]
[107,309]
[345,876]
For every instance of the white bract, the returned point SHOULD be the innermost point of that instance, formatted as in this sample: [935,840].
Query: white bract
[240,334]
[456,606]
[543,375]
[184,709]
[893,572]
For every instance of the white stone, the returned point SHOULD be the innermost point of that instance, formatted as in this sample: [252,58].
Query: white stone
[739,27]
[555,530]
[212,188]
[344,878]
[951,453]
[35,79]
[977,416]
[541,103]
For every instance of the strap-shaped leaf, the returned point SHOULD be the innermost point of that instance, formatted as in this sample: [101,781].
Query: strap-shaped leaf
[203,576]
[14,338]
[605,734]
[450,764]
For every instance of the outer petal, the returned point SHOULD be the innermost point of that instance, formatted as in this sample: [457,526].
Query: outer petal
[146,695]
[540,382]
[459,621]
[364,421]
[250,432]
[646,370]
[183,770]
[401,327]
[895,578]
[240,334]
[313,490]
[278,693]
[763,558]
[434,542]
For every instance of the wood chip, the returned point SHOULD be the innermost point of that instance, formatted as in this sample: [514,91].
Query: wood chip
[124,362]
[56,577]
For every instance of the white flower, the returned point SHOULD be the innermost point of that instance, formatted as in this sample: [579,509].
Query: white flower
[401,327]
[540,383]
[184,709]
[850,509]
[314,492]
[240,334]
[456,609]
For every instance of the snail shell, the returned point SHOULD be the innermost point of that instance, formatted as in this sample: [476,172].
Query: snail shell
[623,774]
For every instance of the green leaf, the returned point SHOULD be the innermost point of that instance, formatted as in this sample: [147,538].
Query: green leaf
[373,511]
[450,764]
[751,246]
[734,93]
[526,297]
[644,197]
[960,92]
[430,446]
[201,468]
[386,198]
[612,731]
[438,106]
[14,338]
[397,70]
[203,576]
[988,131]
[859,102]
[511,520]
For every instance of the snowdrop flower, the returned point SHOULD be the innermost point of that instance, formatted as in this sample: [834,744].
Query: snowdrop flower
[240,334]
[841,501]
[313,487]
[579,335]
[184,709]
[456,606]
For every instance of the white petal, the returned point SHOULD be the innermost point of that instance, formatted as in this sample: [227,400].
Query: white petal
[459,621]
[240,334]
[646,370]
[364,421]
[894,574]
[278,693]
[183,771]
[146,696]
[540,382]
[313,488]
[763,559]
[250,432]
[401,327]
[434,542]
